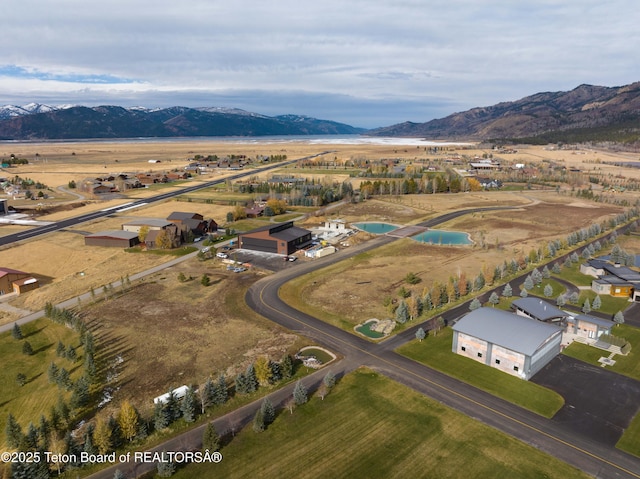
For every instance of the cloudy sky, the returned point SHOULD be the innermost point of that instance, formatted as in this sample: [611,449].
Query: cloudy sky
[367,63]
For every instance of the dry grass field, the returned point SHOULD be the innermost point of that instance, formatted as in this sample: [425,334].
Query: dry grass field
[171,333]
[367,280]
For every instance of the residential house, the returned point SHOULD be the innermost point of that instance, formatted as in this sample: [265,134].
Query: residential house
[14,281]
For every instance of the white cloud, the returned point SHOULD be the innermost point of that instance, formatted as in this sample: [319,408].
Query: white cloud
[396,56]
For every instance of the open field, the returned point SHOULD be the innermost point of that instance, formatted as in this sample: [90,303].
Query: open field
[381,429]
[37,396]
[367,279]
[171,333]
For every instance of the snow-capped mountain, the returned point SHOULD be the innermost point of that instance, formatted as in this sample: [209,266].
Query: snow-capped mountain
[12,111]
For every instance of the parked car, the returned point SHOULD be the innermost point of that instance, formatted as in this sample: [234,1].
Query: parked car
[222,255]
[292,258]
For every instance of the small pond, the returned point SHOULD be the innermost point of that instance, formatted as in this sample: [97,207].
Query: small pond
[365,329]
[442,237]
[375,228]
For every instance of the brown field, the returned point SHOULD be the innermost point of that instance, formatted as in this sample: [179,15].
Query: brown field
[367,281]
[170,333]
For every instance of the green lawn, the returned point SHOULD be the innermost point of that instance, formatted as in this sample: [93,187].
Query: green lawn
[370,426]
[37,396]
[435,351]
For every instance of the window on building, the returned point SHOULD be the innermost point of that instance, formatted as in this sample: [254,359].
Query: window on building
[463,348]
[515,368]
[497,361]
[479,355]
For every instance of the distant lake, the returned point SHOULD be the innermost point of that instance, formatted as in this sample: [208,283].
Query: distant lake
[310,139]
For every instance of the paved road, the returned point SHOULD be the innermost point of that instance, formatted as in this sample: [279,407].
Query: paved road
[598,459]
[70,222]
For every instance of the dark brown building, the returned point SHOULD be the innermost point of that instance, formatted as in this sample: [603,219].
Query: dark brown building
[280,238]
[113,238]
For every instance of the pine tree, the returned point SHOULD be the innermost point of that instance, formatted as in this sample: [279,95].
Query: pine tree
[27,349]
[80,395]
[166,468]
[420,334]
[548,291]
[494,299]
[586,306]
[160,417]
[221,394]
[618,318]
[188,406]
[252,380]
[286,366]
[475,304]
[329,380]
[300,393]
[268,411]
[210,438]
[507,292]
[16,332]
[30,439]
[13,432]
[60,349]
[402,313]
[119,474]
[89,447]
[597,303]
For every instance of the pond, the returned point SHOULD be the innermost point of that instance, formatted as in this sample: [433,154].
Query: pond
[365,329]
[442,237]
[375,228]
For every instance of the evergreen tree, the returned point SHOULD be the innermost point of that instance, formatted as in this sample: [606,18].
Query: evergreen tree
[16,332]
[188,406]
[205,281]
[560,301]
[80,395]
[528,282]
[597,303]
[210,438]
[276,372]
[548,291]
[475,304]
[172,407]
[241,384]
[402,313]
[13,432]
[268,411]
[300,393]
[556,268]
[507,292]
[286,366]
[258,421]
[60,349]
[161,418]
[618,318]
[119,474]
[44,431]
[71,353]
[30,439]
[88,446]
[494,299]
[166,468]
[523,293]
[252,380]
[329,380]
[30,470]
[221,394]
[27,349]
[206,392]
[586,306]
[546,274]
[420,334]
[62,410]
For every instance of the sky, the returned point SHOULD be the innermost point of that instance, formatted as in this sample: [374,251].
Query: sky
[365,63]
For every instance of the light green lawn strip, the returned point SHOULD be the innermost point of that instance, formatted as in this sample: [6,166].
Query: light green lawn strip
[435,351]
[370,426]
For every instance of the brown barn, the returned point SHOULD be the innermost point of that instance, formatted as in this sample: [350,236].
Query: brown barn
[280,238]
[14,281]
[113,238]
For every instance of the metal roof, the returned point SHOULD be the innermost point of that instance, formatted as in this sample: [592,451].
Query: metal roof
[605,323]
[539,309]
[119,234]
[509,330]
[148,222]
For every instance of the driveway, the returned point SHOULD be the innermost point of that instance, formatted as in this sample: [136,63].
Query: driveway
[599,403]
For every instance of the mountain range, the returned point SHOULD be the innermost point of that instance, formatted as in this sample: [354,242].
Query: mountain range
[586,113]
[42,122]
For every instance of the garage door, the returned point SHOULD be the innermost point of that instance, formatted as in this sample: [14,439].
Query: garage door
[256,244]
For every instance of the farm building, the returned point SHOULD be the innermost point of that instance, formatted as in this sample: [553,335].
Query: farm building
[113,238]
[280,238]
[14,281]
[506,341]
[535,308]
[152,224]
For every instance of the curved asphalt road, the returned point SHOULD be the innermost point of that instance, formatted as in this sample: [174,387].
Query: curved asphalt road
[597,459]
